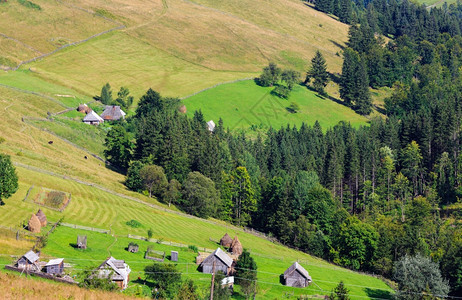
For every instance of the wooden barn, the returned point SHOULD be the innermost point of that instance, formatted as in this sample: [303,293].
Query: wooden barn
[236,247]
[297,276]
[174,255]
[55,266]
[113,113]
[221,260]
[42,218]
[29,261]
[117,270]
[226,241]
[92,118]
[82,241]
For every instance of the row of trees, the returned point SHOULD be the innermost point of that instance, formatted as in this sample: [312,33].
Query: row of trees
[123,98]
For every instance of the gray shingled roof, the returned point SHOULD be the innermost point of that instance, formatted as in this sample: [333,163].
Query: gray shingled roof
[121,270]
[56,261]
[222,256]
[92,117]
[297,267]
[113,112]
[31,256]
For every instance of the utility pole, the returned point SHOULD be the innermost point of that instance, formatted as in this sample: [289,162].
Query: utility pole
[213,281]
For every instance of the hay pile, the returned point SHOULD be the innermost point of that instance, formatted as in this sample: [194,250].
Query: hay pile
[226,241]
[42,218]
[236,247]
[34,224]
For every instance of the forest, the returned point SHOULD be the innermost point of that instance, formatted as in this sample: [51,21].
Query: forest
[364,198]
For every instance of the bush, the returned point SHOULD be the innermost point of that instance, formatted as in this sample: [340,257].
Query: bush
[281,91]
[29,4]
[94,282]
[133,223]
[193,248]
[150,232]
[293,107]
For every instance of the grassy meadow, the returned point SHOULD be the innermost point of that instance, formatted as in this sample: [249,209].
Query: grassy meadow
[244,104]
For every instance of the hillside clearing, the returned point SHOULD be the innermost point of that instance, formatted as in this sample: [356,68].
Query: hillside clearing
[244,104]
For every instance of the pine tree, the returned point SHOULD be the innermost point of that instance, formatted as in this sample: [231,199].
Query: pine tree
[106,94]
[345,11]
[363,98]
[348,78]
[8,178]
[318,72]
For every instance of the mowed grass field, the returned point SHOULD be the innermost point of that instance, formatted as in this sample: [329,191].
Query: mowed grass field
[95,208]
[244,103]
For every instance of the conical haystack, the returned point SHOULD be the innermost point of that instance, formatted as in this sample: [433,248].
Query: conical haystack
[236,247]
[42,218]
[34,224]
[226,241]
[182,109]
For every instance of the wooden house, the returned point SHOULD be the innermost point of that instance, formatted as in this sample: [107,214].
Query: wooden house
[92,118]
[236,247]
[211,125]
[220,259]
[29,261]
[55,266]
[297,276]
[226,241]
[82,242]
[113,113]
[116,270]
[133,248]
[42,218]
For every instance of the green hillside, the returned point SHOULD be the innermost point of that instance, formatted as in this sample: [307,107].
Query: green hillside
[243,104]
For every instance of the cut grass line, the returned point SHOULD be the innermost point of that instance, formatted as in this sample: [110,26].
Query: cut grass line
[34,93]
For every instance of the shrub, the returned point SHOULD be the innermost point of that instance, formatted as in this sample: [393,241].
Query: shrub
[29,4]
[150,232]
[281,91]
[133,223]
[293,107]
[193,248]
[2,140]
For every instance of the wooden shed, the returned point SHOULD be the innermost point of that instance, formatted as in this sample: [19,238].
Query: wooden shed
[236,247]
[82,242]
[226,241]
[29,261]
[221,260]
[133,248]
[174,255]
[297,276]
[116,270]
[42,218]
[55,266]
[113,113]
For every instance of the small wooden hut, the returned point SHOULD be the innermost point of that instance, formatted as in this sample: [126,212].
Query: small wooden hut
[220,259]
[174,255]
[55,266]
[297,276]
[226,241]
[34,224]
[236,247]
[29,261]
[133,248]
[82,242]
[42,218]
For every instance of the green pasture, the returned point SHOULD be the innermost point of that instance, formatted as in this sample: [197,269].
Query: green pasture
[95,208]
[243,104]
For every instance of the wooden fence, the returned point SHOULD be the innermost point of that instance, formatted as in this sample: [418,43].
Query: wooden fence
[86,228]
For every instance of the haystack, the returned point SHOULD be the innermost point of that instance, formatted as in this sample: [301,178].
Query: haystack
[236,247]
[226,241]
[34,224]
[41,216]
[83,108]
[182,109]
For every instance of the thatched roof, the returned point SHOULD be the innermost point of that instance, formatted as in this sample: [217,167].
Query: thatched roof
[236,246]
[41,216]
[92,117]
[34,224]
[113,112]
[226,240]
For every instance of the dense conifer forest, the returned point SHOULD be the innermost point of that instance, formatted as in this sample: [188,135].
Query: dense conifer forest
[365,198]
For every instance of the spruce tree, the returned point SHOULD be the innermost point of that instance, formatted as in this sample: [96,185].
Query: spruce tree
[348,78]
[106,94]
[318,72]
[8,178]
[363,98]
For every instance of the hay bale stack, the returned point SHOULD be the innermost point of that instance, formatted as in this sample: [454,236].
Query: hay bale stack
[42,218]
[226,241]
[182,109]
[34,224]
[236,247]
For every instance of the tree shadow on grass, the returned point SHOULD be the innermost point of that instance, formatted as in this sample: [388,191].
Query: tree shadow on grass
[378,294]
[141,281]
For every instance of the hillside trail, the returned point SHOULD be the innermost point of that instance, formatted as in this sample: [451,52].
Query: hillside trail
[164,11]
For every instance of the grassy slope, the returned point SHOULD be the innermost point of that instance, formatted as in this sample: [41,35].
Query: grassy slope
[51,29]
[92,207]
[244,103]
